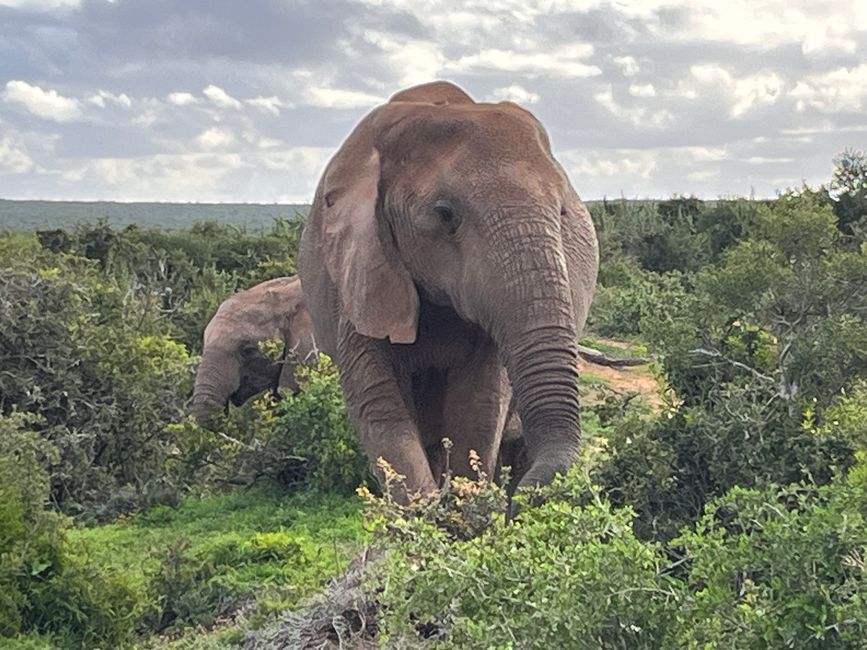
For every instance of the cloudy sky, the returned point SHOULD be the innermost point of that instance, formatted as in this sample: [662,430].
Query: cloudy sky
[219,100]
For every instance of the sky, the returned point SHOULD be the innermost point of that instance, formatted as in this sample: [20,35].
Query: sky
[226,101]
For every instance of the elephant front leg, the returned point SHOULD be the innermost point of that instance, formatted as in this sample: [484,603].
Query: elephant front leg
[475,407]
[381,415]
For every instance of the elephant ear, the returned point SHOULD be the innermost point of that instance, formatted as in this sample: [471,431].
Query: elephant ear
[375,289]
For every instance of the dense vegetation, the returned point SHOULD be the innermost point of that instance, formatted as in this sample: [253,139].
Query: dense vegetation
[733,515]
[99,331]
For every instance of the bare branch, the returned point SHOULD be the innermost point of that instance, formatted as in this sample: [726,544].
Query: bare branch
[234,441]
[737,364]
[600,359]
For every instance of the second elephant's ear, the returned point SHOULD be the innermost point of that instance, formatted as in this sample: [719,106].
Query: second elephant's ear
[376,291]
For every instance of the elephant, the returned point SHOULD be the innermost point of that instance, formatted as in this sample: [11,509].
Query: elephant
[233,368]
[448,266]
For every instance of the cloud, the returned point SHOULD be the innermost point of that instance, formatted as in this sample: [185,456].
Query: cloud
[642,116]
[642,90]
[47,104]
[170,176]
[414,61]
[337,98]
[622,164]
[514,93]
[182,99]
[817,28]
[841,89]
[756,90]
[688,95]
[40,5]
[764,160]
[271,105]
[298,160]
[563,61]
[703,175]
[287,175]
[103,97]
[13,157]
[628,65]
[220,97]
[745,93]
[216,138]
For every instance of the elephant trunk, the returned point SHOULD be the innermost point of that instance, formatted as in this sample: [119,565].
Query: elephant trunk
[539,346]
[544,376]
[216,379]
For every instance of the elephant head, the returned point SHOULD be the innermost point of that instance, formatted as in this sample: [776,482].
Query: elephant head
[233,367]
[436,202]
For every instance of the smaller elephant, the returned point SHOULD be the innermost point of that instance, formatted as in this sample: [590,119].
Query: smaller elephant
[233,367]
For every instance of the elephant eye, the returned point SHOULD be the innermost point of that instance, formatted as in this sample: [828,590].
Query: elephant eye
[447,216]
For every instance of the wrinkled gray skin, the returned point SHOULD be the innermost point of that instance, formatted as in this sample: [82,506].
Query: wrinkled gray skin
[233,369]
[447,260]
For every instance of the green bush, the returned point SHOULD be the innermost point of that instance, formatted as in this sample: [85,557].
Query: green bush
[30,536]
[849,190]
[103,385]
[659,236]
[84,606]
[184,275]
[623,307]
[304,440]
[727,223]
[32,641]
[778,568]
[186,589]
[313,425]
[667,468]
[568,574]
[757,354]
[44,588]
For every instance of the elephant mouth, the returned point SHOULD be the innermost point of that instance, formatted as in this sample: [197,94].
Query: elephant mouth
[440,320]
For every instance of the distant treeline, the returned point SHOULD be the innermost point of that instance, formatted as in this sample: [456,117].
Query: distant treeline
[39,215]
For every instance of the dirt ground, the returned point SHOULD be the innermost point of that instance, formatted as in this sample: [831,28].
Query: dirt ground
[638,379]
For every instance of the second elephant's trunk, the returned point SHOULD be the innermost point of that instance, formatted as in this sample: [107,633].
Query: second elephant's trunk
[217,377]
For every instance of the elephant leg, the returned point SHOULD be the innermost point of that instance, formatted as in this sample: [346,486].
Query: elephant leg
[475,407]
[379,411]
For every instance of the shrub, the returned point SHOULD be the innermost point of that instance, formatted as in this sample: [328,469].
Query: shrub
[849,190]
[569,574]
[757,355]
[30,536]
[777,568]
[103,387]
[84,606]
[43,588]
[32,641]
[314,426]
[623,305]
[659,236]
[186,589]
[304,440]
[668,468]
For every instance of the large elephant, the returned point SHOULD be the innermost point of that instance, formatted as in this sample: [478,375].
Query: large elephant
[233,367]
[446,262]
